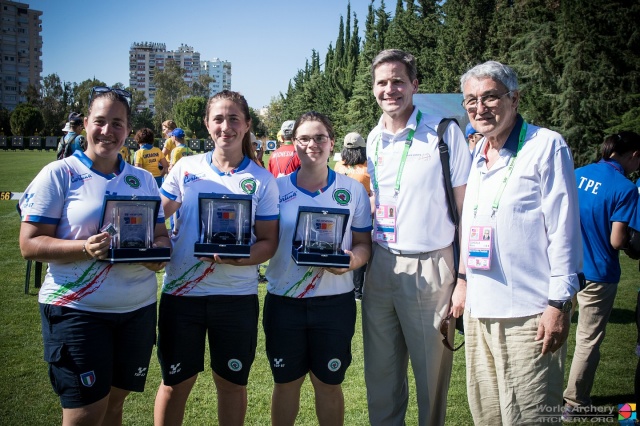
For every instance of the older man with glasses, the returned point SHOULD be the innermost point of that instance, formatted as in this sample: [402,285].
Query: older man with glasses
[522,253]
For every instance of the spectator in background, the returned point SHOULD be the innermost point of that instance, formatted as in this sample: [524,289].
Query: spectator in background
[257,147]
[150,157]
[354,165]
[67,128]
[608,201]
[181,149]
[73,140]
[473,137]
[98,318]
[518,300]
[168,127]
[125,152]
[284,160]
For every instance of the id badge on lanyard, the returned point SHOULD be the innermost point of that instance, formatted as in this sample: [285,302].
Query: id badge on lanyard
[481,235]
[385,229]
[482,230]
[385,221]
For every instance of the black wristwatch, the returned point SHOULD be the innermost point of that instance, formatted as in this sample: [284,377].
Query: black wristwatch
[563,305]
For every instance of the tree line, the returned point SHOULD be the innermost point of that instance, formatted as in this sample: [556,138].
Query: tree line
[577,62]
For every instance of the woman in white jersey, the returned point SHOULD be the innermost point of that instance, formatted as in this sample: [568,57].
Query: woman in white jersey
[215,296]
[98,318]
[309,312]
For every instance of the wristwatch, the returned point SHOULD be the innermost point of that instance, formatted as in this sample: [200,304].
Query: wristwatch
[563,305]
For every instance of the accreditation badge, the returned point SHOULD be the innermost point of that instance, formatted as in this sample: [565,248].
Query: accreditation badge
[480,244]
[385,222]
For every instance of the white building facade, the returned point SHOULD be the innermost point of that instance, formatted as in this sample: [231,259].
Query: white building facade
[147,58]
[221,71]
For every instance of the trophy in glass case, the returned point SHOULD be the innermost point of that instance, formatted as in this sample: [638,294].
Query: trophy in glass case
[317,240]
[131,221]
[225,225]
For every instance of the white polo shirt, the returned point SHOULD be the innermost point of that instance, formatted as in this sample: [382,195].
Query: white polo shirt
[185,275]
[69,193]
[537,245]
[285,277]
[422,217]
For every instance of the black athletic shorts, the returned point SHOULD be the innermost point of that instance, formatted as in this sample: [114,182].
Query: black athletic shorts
[88,352]
[309,334]
[231,323]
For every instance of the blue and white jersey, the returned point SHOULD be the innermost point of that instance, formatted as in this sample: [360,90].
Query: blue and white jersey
[185,275]
[285,277]
[606,196]
[70,194]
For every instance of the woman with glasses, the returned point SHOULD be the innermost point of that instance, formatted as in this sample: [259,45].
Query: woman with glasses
[98,318]
[217,296]
[309,312]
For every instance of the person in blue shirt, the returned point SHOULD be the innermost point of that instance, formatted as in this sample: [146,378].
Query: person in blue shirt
[608,201]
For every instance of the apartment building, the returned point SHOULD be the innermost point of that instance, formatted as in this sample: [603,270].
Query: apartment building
[147,58]
[221,71]
[20,51]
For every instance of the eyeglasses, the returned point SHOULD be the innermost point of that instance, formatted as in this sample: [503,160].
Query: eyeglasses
[104,89]
[318,139]
[444,330]
[489,101]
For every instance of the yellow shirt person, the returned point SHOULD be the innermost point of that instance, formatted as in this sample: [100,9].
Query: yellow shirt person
[150,157]
[181,150]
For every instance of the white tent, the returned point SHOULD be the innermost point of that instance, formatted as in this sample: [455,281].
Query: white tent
[442,104]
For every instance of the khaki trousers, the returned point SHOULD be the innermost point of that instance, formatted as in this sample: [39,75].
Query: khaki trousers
[509,381]
[404,300]
[595,303]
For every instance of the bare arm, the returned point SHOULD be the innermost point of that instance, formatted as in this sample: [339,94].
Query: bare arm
[38,242]
[619,237]
[165,166]
[359,253]
[169,206]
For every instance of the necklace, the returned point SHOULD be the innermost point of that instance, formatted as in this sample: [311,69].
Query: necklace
[228,173]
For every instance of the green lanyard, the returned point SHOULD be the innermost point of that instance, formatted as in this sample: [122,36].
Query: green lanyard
[403,159]
[503,184]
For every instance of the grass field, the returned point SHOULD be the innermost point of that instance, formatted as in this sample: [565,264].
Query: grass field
[26,397]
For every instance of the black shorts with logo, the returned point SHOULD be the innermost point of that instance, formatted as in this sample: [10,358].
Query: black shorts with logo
[88,352]
[231,323]
[309,334]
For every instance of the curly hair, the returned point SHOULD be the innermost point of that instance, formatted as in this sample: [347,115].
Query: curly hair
[144,136]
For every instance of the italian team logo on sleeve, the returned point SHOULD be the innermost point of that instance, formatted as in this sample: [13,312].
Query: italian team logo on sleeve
[248,186]
[342,196]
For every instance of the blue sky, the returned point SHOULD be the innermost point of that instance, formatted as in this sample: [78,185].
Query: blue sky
[267,42]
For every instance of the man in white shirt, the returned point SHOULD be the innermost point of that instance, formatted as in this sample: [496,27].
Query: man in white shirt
[410,279]
[521,252]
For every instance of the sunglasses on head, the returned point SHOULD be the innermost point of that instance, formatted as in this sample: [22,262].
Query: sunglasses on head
[104,89]
[444,330]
